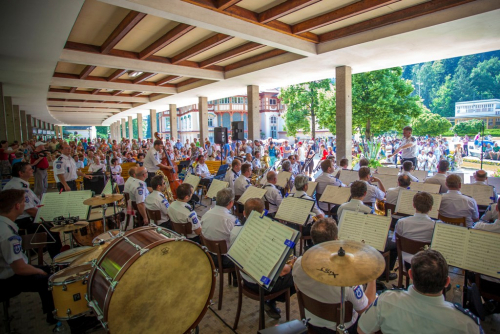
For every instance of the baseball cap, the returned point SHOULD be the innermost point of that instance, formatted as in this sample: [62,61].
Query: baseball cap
[39,143]
[300,143]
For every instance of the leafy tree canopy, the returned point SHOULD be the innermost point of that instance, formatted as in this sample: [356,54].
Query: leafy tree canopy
[430,124]
[470,127]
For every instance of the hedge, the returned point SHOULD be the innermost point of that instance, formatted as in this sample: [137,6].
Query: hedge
[493,132]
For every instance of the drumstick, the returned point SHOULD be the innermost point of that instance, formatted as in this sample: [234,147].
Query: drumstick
[69,256]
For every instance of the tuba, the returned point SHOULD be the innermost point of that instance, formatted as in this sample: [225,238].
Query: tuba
[168,191]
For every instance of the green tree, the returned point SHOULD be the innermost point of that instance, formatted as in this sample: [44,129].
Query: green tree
[302,105]
[431,124]
[470,128]
[485,79]
[443,102]
[102,131]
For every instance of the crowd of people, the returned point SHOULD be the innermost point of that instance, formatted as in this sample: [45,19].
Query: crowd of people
[421,308]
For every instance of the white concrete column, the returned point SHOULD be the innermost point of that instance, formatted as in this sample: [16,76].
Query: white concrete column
[116,131]
[124,130]
[3,124]
[343,82]
[130,128]
[203,117]
[173,122]
[29,127]
[9,119]
[152,122]
[139,126]
[253,112]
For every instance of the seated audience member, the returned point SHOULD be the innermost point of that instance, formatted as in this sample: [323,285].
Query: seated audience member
[256,162]
[182,213]
[78,163]
[456,205]
[327,179]
[273,195]
[372,193]
[217,224]
[21,173]
[157,201]
[418,227]
[243,181]
[127,188]
[140,159]
[202,170]
[139,191]
[440,176]
[325,230]
[358,193]
[16,275]
[481,177]
[285,279]
[407,168]
[233,173]
[404,181]
[421,309]
[97,166]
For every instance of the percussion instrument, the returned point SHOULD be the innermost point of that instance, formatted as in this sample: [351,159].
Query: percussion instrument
[107,237]
[68,291]
[151,281]
[65,258]
[95,228]
[343,263]
[101,200]
[69,227]
[92,254]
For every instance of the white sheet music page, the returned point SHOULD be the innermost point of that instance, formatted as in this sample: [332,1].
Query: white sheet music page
[480,192]
[348,176]
[215,187]
[107,188]
[421,175]
[388,170]
[68,203]
[193,180]
[252,192]
[366,228]
[283,178]
[311,186]
[389,181]
[427,187]
[335,194]
[450,241]
[405,203]
[295,210]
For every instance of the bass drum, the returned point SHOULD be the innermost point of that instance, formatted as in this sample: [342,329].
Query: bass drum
[151,281]
[84,236]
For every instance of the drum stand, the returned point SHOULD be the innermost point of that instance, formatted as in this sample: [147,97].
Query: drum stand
[104,208]
[341,327]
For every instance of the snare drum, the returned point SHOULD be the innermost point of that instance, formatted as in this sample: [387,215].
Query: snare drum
[85,235]
[151,281]
[65,258]
[68,291]
[106,237]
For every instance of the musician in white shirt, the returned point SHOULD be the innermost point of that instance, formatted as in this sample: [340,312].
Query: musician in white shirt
[243,181]
[407,168]
[481,178]
[233,173]
[325,180]
[358,193]
[373,193]
[152,162]
[273,195]
[157,201]
[404,182]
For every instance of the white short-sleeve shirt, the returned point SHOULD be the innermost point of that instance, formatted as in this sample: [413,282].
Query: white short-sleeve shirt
[217,224]
[157,201]
[183,213]
[30,199]
[65,166]
[10,247]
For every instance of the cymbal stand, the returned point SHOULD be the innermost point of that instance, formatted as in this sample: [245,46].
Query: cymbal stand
[104,208]
[341,327]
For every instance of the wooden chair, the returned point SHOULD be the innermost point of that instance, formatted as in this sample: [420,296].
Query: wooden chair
[219,247]
[485,294]
[154,215]
[453,221]
[128,214]
[138,221]
[266,205]
[243,290]
[408,246]
[318,196]
[330,312]
[302,239]
[236,210]
[40,240]
[182,228]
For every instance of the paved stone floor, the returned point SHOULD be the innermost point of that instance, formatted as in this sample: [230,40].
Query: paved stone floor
[28,317]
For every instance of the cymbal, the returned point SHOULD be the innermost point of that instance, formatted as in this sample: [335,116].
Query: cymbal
[87,257]
[69,227]
[99,200]
[360,264]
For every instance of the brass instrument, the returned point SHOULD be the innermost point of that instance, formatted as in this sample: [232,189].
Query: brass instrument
[265,161]
[379,208]
[168,192]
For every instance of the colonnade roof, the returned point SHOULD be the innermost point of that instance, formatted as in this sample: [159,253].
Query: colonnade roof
[95,62]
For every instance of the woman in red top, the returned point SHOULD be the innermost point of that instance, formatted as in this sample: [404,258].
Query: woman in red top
[324,152]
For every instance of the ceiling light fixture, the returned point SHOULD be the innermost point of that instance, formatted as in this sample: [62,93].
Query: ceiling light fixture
[134,74]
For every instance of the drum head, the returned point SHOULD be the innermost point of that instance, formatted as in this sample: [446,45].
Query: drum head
[67,275]
[69,255]
[106,237]
[164,291]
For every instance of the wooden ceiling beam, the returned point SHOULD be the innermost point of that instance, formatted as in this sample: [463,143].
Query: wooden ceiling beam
[73,89]
[187,82]
[136,94]
[125,26]
[283,9]
[225,4]
[255,59]
[95,91]
[117,92]
[248,47]
[86,71]
[143,77]
[201,47]
[391,18]
[172,35]
[340,14]
[116,74]
[167,80]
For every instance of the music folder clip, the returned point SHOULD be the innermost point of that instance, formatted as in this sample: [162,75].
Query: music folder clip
[289,243]
[265,280]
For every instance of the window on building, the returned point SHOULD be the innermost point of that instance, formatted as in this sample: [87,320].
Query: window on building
[272,101]
[225,100]
[274,122]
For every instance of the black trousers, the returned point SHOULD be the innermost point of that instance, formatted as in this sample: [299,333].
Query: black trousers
[150,176]
[28,224]
[323,330]
[393,252]
[226,263]
[282,283]
[414,160]
[33,283]
[71,184]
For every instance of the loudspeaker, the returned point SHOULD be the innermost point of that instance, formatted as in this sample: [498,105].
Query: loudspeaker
[238,130]
[220,135]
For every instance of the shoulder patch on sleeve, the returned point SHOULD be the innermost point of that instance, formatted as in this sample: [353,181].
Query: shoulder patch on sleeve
[467,313]
[358,292]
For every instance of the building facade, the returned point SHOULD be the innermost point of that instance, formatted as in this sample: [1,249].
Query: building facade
[487,110]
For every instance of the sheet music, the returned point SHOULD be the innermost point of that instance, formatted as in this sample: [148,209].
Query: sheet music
[193,180]
[311,186]
[405,203]
[107,188]
[295,210]
[252,192]
[468,249]
[215,187]
[68,203]
[348,176]
[260,246]
[462,175]
[389,181]
[335,195]
[481,193]
[421,175]
[427,187]
[283,178]
[388,170]
[366,228]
